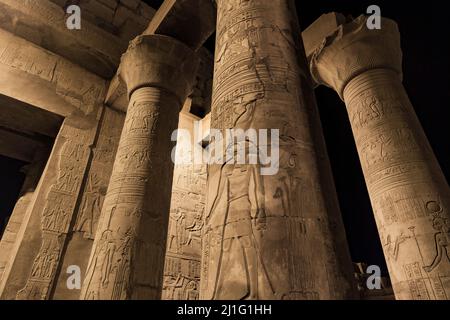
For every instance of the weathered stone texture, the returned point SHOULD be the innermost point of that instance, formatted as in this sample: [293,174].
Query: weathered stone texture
[107,197]
[183,253]
[93,193]
[200,96]
[53,83]
[30,272]
[33,173]
[125,19]
[44,23]
[127,258]
[409,194]
[276,236]
[56,85]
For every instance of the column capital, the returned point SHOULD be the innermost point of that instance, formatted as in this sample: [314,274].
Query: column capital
[352,49]
[159,61]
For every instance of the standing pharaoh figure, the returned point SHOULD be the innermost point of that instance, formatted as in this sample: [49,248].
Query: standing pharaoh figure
[235,216]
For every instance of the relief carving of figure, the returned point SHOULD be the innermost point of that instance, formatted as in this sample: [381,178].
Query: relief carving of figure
[441,240]
[102,263]
[190,291]
[55,216]
[39,264]
[122,282]
[234,216]
[68,178]
[142,120]
[32,291]
[392,247]
[73,150]
[91,206]
[177,229]
[195,229]
[46,261]
[171,285]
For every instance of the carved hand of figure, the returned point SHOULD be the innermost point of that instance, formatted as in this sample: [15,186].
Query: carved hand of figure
[261,220]
[428,268]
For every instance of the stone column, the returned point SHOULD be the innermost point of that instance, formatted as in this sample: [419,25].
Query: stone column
[280,235]
[409,194]
[183,254]
[127,257]
[33,174]
[39,246]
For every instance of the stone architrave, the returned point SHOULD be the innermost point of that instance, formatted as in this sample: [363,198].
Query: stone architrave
[276,236]
[408,191]
[127,258]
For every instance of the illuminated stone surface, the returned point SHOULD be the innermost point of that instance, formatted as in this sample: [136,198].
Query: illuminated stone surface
[409,194]
[127,257]
[270,236]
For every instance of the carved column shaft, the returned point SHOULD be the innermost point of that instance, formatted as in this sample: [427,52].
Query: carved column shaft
[127,258]
[408,191]
[276,236]
[38,249]
[409,194]
[33,174]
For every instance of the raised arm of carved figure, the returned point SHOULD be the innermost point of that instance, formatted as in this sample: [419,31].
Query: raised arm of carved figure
[439,253]
[195,226]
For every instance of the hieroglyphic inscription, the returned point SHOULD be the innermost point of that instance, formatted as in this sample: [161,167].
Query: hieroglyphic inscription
[184,238]
[123,207]
[99,174]
[43,269]
[129,249]
[416,283]
[56,216]
[409,195]
[264,236]
[75,85]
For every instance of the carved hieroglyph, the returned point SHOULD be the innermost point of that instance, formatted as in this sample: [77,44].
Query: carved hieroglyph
[96,178]
[127,257]
[62,87]
[276,236]
[409,194]
[31,270]
[183,253]
[57,214]
[99,173]
[33,174]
